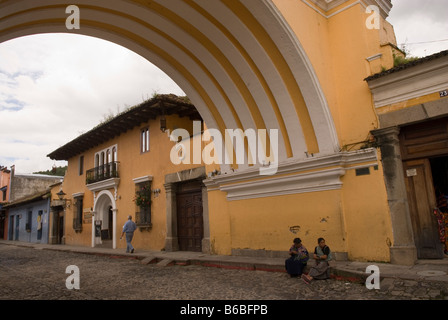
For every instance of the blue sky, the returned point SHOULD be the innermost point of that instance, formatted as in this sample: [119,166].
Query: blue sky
[55,87]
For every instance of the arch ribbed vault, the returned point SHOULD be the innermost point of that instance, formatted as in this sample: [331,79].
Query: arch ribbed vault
[237,60]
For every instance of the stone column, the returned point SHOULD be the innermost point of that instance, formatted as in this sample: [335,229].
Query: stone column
[53,238]
[206,222]
[93,229]
[114,228]
[171,240]
[403,250]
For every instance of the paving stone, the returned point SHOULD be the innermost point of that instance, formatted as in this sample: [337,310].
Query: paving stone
[433,293]
[408,283]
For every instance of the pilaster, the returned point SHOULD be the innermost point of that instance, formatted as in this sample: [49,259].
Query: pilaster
[403,250]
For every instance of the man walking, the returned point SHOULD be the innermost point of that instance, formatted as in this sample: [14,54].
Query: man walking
[128,229]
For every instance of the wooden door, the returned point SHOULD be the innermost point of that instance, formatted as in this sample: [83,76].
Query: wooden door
[16,237]
[60,227]
[421,198]
[190,226]
[111,224]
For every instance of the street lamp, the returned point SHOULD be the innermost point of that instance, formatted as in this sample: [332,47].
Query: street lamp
[60,195]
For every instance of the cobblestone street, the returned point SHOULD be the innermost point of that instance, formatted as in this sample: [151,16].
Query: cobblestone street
[31,274]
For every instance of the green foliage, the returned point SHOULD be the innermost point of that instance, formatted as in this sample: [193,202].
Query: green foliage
[143,196]
[400,60]
[55,171]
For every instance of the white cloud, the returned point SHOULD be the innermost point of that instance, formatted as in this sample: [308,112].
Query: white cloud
[55,86]
[420,25]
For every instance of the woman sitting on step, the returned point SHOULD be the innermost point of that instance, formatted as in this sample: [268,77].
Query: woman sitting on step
[322,255]
[299,257]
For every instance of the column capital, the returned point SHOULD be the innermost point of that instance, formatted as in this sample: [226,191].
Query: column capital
[386,134]
[170,187]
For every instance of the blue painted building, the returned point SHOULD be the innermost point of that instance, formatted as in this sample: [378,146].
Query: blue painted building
[28,218]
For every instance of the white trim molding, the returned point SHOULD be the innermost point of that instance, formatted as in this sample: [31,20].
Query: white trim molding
[293,177]
[374,57]
[142,179]
[78,194]
[409,83]
[327,5]
[104,185]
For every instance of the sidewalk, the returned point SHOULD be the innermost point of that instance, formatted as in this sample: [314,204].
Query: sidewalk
[423,270]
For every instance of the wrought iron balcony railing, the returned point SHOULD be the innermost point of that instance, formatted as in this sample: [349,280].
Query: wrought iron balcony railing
[103,172]
[143,218]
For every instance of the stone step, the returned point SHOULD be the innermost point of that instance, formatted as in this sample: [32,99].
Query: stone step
[165,263]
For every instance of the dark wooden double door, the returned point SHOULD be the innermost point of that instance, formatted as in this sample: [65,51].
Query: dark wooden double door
[424,149]
[190,223]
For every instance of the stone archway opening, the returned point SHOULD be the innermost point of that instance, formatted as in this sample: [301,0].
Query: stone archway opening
[104,224]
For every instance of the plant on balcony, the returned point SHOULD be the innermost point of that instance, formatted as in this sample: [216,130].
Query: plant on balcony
[143,197]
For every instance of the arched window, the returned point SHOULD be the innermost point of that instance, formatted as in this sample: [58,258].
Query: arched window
[114,154]
[144,140]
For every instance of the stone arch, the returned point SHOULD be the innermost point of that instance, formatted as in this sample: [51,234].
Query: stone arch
[103,201]
[238,61]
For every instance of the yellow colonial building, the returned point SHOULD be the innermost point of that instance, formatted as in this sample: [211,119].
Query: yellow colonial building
[412,107]
[292,71]
[122,167]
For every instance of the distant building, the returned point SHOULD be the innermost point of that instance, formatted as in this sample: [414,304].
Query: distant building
[28,218]
[25,185]
[27,208]
[5,178]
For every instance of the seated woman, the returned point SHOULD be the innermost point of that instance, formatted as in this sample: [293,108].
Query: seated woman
[321,271]
[299,257]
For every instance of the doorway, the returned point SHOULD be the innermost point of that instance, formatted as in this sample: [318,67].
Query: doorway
[60,227]
[104,224]
[439,168]
[11,228]
[110,224]
[424,150]
[422,202]
[2,224]
[190,224]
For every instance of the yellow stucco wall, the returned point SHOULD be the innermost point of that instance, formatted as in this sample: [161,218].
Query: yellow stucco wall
[354,219]
[366,216]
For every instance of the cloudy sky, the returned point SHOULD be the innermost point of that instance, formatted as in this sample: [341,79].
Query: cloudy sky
[55,87]
[420,24]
